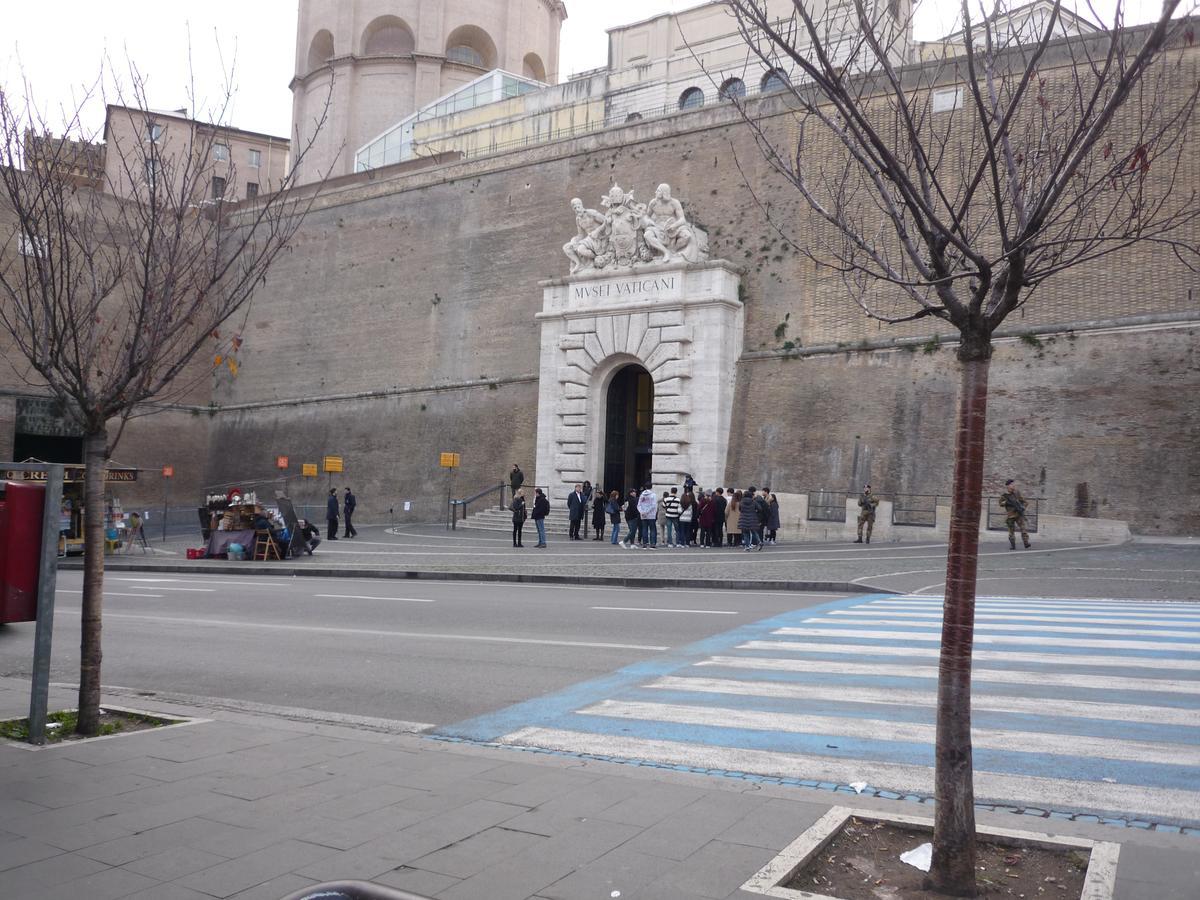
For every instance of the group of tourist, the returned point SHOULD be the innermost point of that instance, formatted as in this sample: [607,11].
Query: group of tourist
[684,518]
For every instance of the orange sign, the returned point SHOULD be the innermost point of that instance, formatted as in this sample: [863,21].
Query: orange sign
[168,471]
[308,470]
[281,462]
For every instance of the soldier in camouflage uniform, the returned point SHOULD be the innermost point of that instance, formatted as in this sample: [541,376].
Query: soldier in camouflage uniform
[1013,504]
[866,513]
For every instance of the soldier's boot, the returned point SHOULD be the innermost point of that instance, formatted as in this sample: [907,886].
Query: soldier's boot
[1012,543]
[859,540]
[1027,543]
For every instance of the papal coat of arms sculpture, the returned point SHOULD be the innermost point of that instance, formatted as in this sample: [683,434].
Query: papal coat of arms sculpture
[628,233]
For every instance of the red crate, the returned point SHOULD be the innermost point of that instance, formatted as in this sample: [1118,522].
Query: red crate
[196,554]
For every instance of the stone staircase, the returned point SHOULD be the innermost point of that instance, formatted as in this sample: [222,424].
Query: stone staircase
[496,518]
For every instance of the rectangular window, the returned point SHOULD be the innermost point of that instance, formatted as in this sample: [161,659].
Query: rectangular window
[251,190]
[154,132]
[31,246]
[218,187]
[947,100]
[153,168]
[221,152]
[255,159]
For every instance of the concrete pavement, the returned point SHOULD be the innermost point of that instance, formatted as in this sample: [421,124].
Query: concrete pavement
[253,807]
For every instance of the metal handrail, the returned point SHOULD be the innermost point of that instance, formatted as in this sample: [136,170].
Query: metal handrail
[352,890]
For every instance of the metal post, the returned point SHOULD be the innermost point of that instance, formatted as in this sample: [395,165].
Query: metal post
[166,497]
[39,694]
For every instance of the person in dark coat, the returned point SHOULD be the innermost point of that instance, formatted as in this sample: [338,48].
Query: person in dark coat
[772,519]
[541,509]
[614,515]
[516,478]
[576,509]
[599,505]
[719,505]
[519,514]
[748,520]
[331,514]
[706,516]
[632,519]
[348,506]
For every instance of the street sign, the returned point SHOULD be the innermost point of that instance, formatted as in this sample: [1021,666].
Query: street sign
[449,460]
[308,470]
[334,464]
[168,472]
[281,462]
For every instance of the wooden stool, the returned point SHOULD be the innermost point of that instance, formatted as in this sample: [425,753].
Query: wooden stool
[264,546]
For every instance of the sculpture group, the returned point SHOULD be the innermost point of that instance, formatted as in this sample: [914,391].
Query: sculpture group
[629,233]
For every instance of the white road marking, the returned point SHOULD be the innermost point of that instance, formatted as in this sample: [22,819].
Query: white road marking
[1040,605]
[1151,715]
[699,612]
[1039,629]
[989,786]
[1060,659]
[364,597]
[1076,745]
[1116,619]
[992,639]
[372,632]
[107,593]
[165,587]
[1002,676]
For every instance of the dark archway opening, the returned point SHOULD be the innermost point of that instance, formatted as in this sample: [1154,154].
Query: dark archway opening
[629,430]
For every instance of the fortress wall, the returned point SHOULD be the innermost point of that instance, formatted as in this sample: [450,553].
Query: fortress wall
[431,278]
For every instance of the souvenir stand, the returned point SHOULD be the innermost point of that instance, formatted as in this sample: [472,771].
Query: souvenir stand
[230,521]
[70,529]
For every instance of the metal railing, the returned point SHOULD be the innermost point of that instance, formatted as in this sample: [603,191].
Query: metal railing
[827,506]
[997,516]
[352,890]
[914,509]
[457,509]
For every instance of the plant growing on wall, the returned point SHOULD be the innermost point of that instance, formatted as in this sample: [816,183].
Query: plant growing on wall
[953,188]
[110,285]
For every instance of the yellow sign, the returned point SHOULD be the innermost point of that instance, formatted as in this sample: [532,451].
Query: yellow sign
[333,464]
[449,460]
[308,470]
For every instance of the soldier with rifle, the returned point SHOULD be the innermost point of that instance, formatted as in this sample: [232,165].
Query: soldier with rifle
[866,513]
[1013,504]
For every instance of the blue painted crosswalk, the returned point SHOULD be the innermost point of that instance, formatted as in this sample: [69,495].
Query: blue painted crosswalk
[1079,705]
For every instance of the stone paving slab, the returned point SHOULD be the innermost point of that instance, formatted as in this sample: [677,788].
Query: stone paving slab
[446,820]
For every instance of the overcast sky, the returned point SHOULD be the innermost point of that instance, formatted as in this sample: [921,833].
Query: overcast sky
[58,46]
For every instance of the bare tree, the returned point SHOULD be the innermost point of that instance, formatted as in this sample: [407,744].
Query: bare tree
[950,181]
[111,285]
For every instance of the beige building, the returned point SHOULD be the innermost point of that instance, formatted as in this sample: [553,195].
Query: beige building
[378,61]
[240,164]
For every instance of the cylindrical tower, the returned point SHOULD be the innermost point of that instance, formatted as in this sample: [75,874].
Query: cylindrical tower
[377,61]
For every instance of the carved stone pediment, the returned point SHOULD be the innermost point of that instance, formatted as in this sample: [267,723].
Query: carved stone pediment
[627,233]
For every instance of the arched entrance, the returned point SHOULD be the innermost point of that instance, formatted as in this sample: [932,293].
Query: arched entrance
[628,430]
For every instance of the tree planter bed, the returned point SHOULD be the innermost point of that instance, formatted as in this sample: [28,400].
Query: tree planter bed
[803,858]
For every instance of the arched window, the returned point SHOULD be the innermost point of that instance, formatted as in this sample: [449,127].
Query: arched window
[733,89]
[472,46]
[533,67]
[320,50]
[387,36]
[775,80]
[692,98]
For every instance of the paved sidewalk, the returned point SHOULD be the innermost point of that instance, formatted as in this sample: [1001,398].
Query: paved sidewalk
[249,806]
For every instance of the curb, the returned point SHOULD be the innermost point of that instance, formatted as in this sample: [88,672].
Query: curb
[840,587]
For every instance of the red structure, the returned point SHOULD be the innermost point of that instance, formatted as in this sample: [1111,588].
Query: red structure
[20,550]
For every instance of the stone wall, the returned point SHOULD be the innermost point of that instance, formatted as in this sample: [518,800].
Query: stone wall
[399,285]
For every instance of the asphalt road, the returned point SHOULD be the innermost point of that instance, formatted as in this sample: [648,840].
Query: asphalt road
[425,653]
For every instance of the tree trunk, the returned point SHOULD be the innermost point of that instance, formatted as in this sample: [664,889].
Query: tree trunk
[953,869]
[95,448]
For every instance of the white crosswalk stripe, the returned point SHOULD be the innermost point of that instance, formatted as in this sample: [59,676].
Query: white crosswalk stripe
[1084,705]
